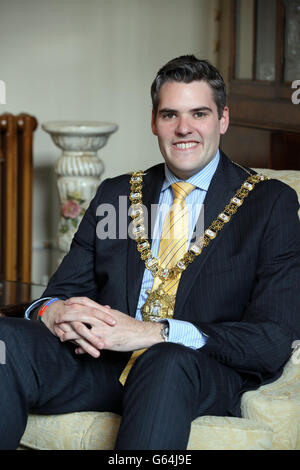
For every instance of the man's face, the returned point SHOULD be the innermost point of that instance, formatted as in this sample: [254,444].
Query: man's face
[187,126]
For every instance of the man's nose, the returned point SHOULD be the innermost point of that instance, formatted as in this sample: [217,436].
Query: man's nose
[183,126]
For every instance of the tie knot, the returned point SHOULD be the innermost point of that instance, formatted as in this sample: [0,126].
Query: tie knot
[181,190]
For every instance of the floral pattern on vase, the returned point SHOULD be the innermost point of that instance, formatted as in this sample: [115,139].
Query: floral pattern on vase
[71,212]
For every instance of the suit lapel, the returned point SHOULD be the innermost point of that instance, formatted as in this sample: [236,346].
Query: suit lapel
[223,185]
[152,183]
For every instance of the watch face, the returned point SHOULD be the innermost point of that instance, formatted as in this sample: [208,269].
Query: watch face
[166,331]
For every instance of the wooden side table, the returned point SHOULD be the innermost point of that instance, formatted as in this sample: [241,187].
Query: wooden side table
[15,297]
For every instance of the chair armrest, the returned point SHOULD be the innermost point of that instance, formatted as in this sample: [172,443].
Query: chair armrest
[14,310]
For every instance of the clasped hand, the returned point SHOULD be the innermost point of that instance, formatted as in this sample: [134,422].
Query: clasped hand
[93,327]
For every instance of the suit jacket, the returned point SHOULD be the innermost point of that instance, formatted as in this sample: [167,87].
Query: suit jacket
[242,291]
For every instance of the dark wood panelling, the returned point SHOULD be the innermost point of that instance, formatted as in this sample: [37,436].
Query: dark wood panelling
[285,151]
[264,127]
[261,148]
[250,147]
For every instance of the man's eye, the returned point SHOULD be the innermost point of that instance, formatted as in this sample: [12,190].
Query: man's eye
[199,114]
[169,115]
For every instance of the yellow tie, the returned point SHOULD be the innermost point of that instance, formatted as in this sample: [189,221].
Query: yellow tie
[172,247]
[174,235]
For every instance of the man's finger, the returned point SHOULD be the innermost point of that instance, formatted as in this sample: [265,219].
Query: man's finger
[58,331]
[84,333]
[94,308]
[80,351]
[85,301]
[88,348]
[85,316]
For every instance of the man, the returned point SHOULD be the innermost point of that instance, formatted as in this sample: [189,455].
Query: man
[227,311]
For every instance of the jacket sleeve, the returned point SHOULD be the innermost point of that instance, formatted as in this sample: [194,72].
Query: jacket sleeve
[262,341]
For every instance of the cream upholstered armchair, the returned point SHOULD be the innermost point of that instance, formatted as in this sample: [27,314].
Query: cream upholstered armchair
[270,415]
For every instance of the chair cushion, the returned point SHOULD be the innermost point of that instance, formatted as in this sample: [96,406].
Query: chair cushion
[271,419]
[84,430]
[98,431]
[278,405]
[227,433]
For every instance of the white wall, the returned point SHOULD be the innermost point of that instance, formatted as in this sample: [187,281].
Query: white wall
[92,60]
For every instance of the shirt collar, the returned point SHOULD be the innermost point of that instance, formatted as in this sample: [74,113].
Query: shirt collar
[201,179]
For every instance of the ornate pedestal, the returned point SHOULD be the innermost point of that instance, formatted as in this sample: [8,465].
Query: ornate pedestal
[78,170]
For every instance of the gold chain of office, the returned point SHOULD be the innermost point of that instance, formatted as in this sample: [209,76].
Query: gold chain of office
[159,303]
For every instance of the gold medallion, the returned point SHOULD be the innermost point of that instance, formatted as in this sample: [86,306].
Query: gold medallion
[159,305]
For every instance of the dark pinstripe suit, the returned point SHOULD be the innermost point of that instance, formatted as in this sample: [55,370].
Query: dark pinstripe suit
[242,291]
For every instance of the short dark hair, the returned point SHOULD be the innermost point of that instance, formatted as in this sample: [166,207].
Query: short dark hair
[186,69]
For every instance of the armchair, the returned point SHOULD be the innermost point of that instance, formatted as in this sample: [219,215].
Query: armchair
[270,415]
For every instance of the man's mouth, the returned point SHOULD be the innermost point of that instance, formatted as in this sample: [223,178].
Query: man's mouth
[185,145]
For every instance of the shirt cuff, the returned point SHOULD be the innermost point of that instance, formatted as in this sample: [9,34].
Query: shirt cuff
[182,332]
[34,305]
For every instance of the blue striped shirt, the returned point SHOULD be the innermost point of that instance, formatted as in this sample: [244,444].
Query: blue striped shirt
[181,332]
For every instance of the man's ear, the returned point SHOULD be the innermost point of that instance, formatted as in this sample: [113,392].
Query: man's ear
[224,121]
[153,123]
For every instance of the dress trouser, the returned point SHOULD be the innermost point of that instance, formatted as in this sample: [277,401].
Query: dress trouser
[168,387]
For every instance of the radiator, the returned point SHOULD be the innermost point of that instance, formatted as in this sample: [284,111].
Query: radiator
[16,178]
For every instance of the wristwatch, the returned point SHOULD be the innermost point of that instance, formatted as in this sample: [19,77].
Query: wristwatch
[164,332]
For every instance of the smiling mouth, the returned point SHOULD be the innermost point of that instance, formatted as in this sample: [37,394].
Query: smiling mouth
[185,145]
